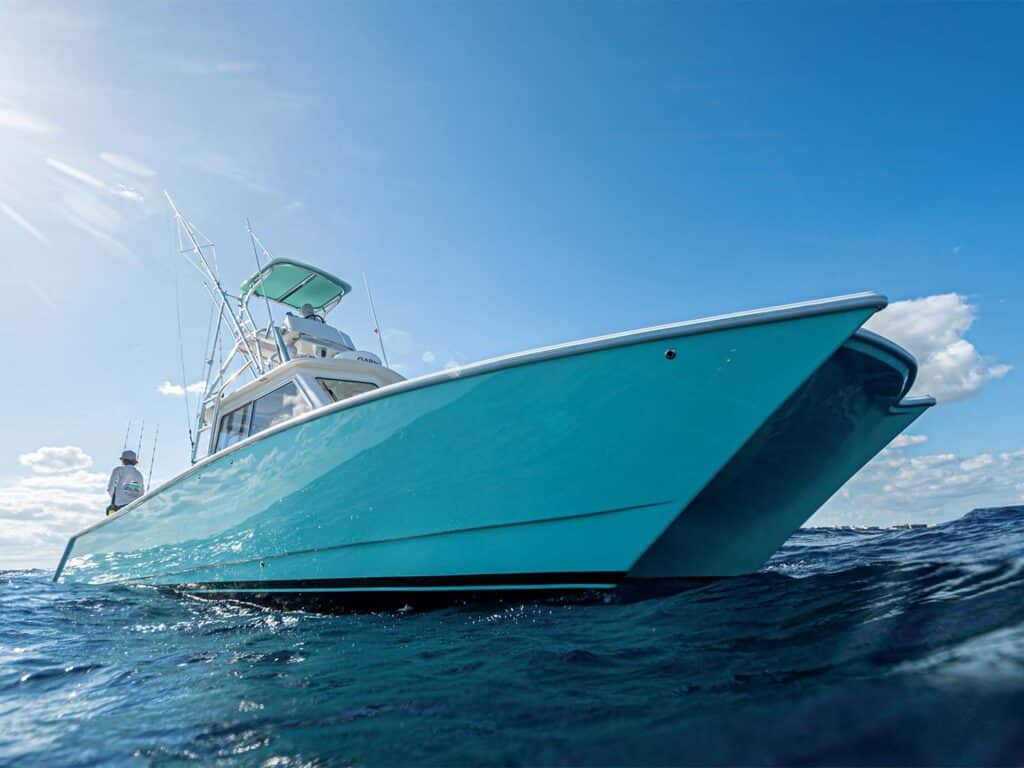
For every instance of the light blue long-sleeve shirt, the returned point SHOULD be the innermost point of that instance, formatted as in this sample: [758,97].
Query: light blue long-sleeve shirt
[126,485]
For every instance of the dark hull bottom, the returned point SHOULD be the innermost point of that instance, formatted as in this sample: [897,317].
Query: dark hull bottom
[321,599]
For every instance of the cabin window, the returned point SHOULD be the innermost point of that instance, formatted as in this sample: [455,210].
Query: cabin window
[273,408]
[339,389]
[202,449]
[281,405]
[234,426]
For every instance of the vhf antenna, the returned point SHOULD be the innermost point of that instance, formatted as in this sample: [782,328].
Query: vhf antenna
[376,323]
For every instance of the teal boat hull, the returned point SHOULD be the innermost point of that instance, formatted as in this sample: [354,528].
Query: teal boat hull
[690,450]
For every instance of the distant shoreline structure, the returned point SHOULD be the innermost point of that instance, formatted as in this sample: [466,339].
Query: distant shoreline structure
[916,526]
[894,527]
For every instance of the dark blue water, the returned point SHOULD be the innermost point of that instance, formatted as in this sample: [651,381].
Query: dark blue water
[850,648]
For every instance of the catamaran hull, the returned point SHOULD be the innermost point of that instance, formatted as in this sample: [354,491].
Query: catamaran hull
[651,455]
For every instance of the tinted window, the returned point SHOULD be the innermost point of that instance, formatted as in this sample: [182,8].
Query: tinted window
[234,426]
[202,446]
[282,404]
[339,389]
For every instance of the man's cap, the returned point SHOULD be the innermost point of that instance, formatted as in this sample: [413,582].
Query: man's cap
[129,456]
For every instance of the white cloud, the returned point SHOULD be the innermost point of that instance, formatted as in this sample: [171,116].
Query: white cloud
[94,211]
[115,245]
[176,390]
[83,209]
[933,329]
[91,213]
[26,122]
[128,193]
[295,205]
[22,222]
[127,164]
[977,462]
[76,174]
[53,459]
[38,514]
[450,364]
[428,357]
[117,190]
[902,441]
[894,487]
[96,207]
[225,167]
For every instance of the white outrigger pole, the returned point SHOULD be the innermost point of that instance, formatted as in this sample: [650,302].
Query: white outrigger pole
[257,351]
[243,328]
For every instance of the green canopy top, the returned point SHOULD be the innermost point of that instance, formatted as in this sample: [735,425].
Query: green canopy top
[293,284]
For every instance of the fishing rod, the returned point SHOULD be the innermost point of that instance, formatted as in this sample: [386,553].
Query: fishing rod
[142,431]
[124,446]
[181,359]
[376,323]
[152,458]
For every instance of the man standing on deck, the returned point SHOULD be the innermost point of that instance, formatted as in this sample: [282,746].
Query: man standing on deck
[126,483]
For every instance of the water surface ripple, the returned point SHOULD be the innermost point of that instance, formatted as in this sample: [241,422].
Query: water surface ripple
[876,647]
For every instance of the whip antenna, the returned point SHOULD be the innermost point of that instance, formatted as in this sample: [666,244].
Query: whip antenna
[259,271]
[376,323]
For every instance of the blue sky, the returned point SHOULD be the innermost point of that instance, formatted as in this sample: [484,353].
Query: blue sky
[509,175]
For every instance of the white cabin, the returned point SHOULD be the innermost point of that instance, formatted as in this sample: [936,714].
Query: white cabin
[298,365]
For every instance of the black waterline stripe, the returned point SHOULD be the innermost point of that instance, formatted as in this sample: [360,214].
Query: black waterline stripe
[460,580]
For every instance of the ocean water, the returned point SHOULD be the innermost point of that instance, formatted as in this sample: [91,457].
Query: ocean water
[876,647]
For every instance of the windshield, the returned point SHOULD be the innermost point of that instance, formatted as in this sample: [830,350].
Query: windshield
[281,405]
[339,389]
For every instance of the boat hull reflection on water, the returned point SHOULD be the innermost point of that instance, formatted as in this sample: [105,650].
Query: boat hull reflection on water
[689,450]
